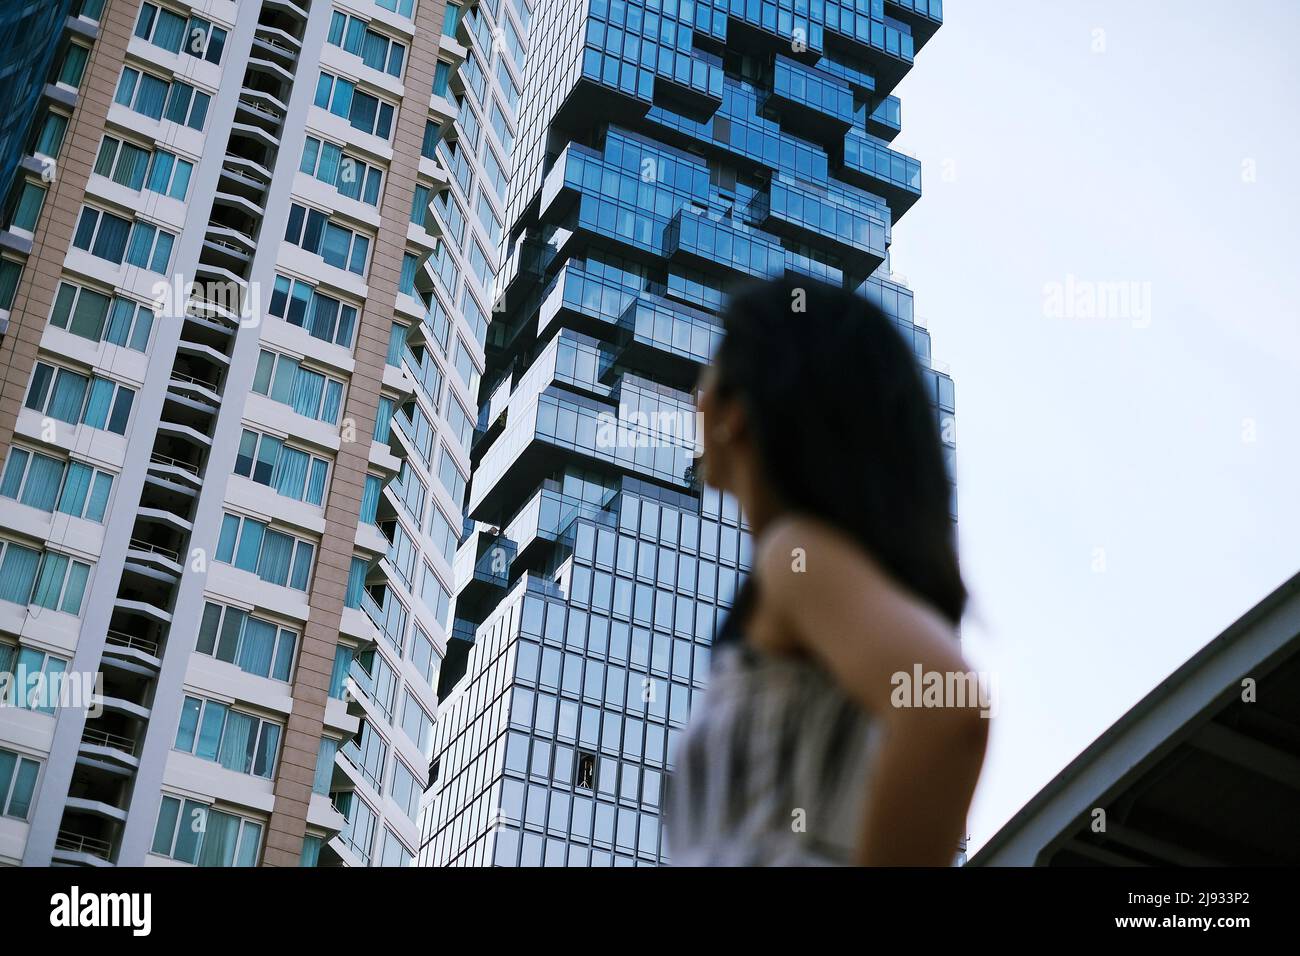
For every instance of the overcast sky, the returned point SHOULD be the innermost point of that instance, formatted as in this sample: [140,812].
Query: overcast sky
[1128,466]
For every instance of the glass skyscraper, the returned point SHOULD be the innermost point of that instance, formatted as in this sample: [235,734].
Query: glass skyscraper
[668,149]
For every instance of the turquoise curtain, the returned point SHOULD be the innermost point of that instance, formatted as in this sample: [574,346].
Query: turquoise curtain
[356,582]
[141,247]
[277,552]
[219,838]
[193,822]
[18,573]
[49,583]
[119,323]
[307,389]
[329,747]
[226,540]
[151,96]
[258,647]
[170,32]
[237,742]
[250,545]
[100,490]
[291,473]
[333,402]
[160,173]
[370,499]
[73,499]
[76,588]
[69,396]
[101,400]
[268,743]
[249,844]
[302,555]
[324,314]
[188,726]
[44,475]
[284,654]
[316,485]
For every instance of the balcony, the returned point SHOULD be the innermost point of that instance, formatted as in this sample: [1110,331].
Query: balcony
[893,176]
[808,102]
[73,848]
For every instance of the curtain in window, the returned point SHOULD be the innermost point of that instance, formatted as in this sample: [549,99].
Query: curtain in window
[100,489]
[237,742]
[51,138]
[219,838]
[29,207]
[181,181]
[151,96]
[302,555]
[362,113]
[110,241]
[284,654]
[287,374]
[342,664]
[178,103]
[330,157]
[258,647]
[267,744]
[69,396]
[160,173]
[250,545]
[333,402]
[341,103]
[329,748]
[226,540]
[374,50]
[307,389]
[210,732]
[142,237]
[249,842]
[119,323]
[194,822]
[324,314]
[335,247]
[131,166]
[299,305]
[76,588]
[268,454]
[370,499]
[101,400]
[316,484]
[43,477]
[170,32]
[162,253]
[88,314]
[291,473]
[74,64]
[49,583]
[15,467]
[277,553]
[18,573]
[73,498]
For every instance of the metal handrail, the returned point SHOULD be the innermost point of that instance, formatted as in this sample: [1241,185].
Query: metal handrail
[122,639]
[139,544]
[158,459]
[80,843]
[114,741]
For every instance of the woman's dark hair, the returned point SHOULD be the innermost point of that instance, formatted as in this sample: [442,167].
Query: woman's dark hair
[844,429]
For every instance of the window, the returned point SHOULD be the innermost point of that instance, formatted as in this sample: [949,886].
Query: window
[502,128]
[493,172]
[187,106]
[80,399]
[450,476]
[10,272]
[441,76]
[312,394]
[450,18]
[176,34]
[352,177]
[409,491]
[462,426]
[401,7]
[376,50]
[144,93]
[36,679]
[93,316]
[417,725]
[420,205]
[237,741]
[195,833]
[17,784]
[150,248]
[359,832]
[396,343]
[370,499]
[432,131]
[366,113]
[435,597]
[323,316]
[586,770]
[488,218]
[50,139]
[478,261]
[102,234]
[383,420]
[47,579]
[410,267]
[73,65]
[423,655]
[42,482]
[274,556]
[406,790]
[169,175]
[394,853]
[254,645]
[339,246]
[124,163]
[27,208]
[292,472]
[368,752]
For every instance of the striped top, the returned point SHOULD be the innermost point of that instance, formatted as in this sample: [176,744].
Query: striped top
[771,770]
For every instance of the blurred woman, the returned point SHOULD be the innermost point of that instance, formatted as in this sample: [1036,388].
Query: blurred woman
[814,416]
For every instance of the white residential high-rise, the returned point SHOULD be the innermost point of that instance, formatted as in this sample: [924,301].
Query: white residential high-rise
[247,269]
